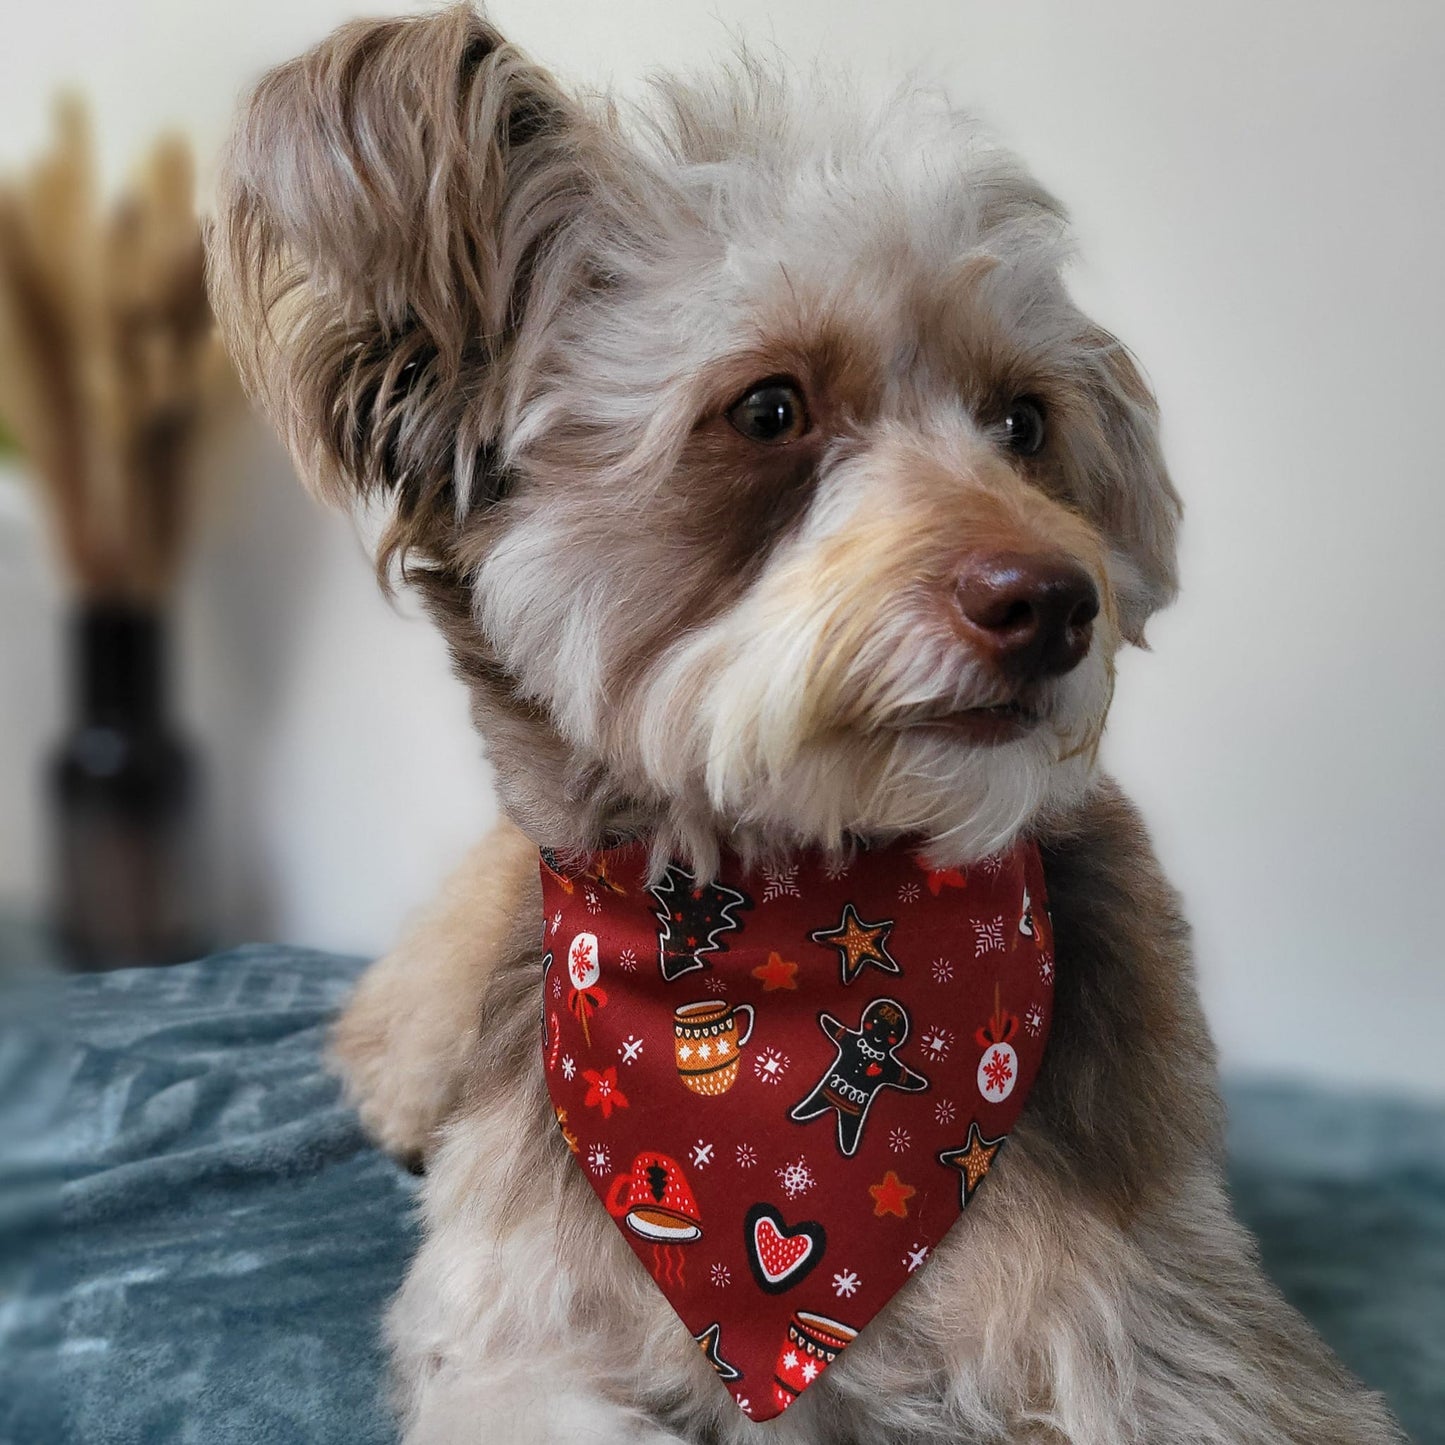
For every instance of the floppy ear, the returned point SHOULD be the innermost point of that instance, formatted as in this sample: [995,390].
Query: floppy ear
[1136,500]
[398,210]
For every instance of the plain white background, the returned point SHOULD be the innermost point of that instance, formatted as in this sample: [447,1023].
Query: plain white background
[1259,194]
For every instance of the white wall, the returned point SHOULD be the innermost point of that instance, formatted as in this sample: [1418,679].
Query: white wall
[1259,201]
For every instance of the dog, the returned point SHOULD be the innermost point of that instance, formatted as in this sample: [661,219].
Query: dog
[772,495]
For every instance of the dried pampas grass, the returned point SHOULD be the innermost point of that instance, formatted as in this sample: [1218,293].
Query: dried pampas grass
[108,361]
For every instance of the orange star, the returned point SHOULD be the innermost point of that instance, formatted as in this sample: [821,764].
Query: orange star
[941,878]
[776,973]
[891,1196]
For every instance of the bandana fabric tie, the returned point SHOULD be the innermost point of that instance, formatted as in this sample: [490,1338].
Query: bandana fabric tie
[786,1085]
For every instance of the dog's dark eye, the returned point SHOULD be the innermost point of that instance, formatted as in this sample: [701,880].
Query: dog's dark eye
[772,413]
[1023,427]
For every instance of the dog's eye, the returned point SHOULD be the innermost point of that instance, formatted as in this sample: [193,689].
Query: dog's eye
[1023,427]
[772,413]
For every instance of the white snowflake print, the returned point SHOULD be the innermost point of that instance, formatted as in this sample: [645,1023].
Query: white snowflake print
[569,1067]
[771,1065]
[836,868]
[944,1111]
[942,970]
[937,1042]
[630,1049]
[747,1156]
[556,920]
[627,960]
[992,865]
[1046,968]
[796,1178]
[598,1159]
[809,1371]
[1034,1019]
[899,1140]
[780,882]
[556,988]
[701,1155]
[909,893]
[915,1257]
[720,1275]
[987,935]
[845,1284]
[594,903]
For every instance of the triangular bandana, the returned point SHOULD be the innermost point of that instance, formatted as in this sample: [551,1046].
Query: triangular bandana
[786,1085]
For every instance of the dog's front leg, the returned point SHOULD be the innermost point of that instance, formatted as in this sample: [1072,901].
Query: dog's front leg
[405,1039]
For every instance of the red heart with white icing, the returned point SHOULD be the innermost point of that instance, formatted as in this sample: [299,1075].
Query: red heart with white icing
[779,1254]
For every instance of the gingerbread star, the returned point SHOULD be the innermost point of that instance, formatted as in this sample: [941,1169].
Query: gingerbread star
[708,1343]
[859,944]
[972,1159]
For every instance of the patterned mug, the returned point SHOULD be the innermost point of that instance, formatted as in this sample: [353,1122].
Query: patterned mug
[706,1041]
[813,1342]
[655,1200]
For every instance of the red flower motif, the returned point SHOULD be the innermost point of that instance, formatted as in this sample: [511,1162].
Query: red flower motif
[602,1091]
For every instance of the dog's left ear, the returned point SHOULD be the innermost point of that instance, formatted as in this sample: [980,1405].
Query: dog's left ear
[1128,480]
[398,217]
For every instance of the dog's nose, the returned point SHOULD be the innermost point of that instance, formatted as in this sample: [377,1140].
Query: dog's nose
[1033,613]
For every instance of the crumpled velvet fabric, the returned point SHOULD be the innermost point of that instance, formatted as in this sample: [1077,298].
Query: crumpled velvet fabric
[197,1243]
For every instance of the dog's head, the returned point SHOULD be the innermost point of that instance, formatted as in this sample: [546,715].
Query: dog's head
[765,480]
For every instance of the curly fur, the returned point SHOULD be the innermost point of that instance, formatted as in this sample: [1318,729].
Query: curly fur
[520,318]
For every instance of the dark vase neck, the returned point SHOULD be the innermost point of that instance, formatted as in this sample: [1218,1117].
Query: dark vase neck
[119,666]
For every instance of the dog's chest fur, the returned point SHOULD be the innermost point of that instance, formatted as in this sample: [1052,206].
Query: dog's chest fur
[1124,1100]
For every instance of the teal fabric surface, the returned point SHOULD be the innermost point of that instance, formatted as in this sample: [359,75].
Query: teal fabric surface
[197,1244]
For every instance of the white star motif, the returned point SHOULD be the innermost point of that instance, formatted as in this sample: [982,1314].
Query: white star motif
[568,1067]
[630,1050]
[810,1372]
[915,1257]
[556,920]
[722,1047]
[685,1052]
[701,1154]
[845,1282]
[704,1052]
[790,1361]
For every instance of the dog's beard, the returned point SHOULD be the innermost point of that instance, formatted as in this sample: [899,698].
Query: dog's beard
[811,724]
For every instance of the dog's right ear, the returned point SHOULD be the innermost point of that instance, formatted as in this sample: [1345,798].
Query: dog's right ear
[397,212]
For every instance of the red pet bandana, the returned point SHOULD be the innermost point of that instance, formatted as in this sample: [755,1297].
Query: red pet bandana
[786,1085]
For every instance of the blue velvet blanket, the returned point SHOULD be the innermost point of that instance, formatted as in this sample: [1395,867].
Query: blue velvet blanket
[197,1243]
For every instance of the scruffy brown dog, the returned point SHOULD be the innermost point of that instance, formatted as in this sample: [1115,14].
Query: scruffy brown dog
[769,489]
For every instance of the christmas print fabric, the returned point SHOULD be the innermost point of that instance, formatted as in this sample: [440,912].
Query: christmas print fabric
[786,1085]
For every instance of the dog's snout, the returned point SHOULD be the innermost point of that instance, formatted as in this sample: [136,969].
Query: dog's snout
[1032,613]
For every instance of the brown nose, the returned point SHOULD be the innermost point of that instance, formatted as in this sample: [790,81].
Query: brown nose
[1033,613]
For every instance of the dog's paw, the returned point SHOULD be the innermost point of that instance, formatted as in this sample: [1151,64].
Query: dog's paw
[400,1079]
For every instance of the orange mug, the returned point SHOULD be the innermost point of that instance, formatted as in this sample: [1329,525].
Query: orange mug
[707,1044]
